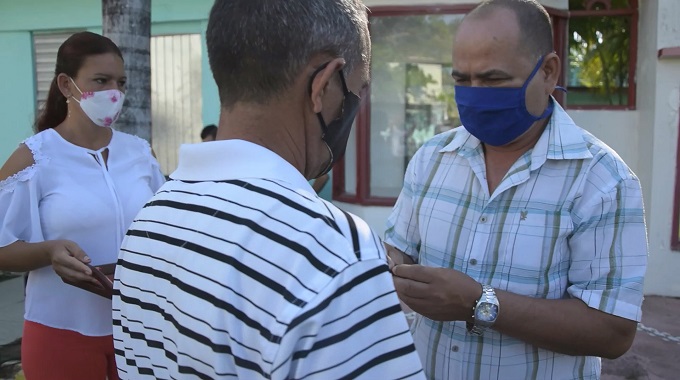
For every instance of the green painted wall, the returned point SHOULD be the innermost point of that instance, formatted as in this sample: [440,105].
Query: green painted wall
[18,19]
[31,15]
[17,98]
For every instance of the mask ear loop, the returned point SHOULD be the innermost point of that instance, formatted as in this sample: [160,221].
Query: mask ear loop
[345,90]
[330,163]
[556,87]
[77,88]
[533,73]
[324,127]
[549,109]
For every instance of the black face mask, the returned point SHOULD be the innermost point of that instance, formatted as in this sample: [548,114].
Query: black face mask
[336,133]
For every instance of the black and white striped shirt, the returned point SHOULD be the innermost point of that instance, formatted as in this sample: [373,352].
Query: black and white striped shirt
[236,269]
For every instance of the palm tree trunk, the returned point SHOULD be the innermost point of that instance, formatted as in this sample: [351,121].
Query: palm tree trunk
[128,24]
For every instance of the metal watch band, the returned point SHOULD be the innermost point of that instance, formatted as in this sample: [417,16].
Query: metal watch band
[488,295]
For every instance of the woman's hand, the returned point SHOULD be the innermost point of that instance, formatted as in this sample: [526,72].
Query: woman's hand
[69,262]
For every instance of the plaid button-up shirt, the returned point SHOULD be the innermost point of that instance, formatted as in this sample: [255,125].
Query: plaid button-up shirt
[566,221]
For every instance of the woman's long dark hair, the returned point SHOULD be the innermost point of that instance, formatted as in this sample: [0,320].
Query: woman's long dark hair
[72,53]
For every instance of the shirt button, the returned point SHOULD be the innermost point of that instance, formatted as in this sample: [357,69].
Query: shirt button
[454,348]
[473,261]
[482,219]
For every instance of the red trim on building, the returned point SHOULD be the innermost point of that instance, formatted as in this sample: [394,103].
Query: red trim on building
[669,52]
[633,13]
[560,17]
[632,64]
[363,134]
[560,20]
[410,10]
[675,232]
[606,12]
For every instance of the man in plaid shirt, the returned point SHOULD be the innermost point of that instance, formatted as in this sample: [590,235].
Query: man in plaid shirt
[519,238]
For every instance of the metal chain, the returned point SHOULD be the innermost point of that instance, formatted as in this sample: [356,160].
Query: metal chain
[656,333]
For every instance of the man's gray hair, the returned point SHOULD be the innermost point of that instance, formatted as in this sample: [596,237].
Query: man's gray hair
[257,48]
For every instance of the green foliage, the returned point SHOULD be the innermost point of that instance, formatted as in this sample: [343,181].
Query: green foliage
[599,53]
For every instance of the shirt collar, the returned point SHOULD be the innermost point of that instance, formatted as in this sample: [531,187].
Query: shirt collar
[562,139]
[234,159]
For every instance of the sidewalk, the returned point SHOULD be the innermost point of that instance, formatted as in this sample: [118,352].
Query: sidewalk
[11,309]
[655,354]
[11,323]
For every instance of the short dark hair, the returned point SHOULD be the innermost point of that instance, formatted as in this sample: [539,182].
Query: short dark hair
[257,48]
[70,58]
[536,34]
[209,130]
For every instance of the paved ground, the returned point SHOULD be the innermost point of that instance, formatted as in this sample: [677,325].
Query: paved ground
[11,309]
[655,354]
[652,357]
[11,320]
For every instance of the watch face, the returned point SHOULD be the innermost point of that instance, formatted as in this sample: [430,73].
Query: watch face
[486,312]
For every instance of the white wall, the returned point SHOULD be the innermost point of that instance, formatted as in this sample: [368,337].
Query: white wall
[618,129]
[660,143]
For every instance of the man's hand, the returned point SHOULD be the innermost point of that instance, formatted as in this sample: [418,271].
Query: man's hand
[396,257]
[567,326]
[437,293]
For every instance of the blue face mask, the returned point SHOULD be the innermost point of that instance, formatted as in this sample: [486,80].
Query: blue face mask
[497,115]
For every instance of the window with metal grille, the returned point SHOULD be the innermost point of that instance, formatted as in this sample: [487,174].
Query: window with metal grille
[45,48]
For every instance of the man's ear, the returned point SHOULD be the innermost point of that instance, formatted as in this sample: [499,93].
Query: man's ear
[552,69]
[65,85]
[321,80]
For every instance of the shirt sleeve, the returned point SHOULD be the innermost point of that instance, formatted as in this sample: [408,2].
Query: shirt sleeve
[402,225]
[354,329]
[157,177]
[20,216]
[609,248]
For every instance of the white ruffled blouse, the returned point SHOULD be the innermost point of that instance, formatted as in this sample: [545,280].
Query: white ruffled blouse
[67,194]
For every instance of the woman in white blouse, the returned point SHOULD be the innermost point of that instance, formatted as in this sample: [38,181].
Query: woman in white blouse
[67,196]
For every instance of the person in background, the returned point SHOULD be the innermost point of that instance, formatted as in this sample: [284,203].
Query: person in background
[519,238]
[67,196]
[209,133]
[236,268]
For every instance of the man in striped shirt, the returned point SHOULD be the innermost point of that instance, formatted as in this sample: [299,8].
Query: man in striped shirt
[528,231]
[236,268]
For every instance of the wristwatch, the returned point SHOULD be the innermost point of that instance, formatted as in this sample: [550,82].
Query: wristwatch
[485,311]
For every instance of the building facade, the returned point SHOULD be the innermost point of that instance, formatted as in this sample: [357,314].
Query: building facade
[621,67]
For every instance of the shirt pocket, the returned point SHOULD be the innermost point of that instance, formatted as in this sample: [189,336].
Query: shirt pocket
[534,253]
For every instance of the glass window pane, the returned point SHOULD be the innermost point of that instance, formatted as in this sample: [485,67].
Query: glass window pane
[411,92]
[599,54]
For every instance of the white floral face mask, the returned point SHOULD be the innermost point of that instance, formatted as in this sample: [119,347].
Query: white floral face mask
[102,107]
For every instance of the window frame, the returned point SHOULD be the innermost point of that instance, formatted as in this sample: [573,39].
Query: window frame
[35,35]
[560,18]
[362,194]
[633,13]
[675,225]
